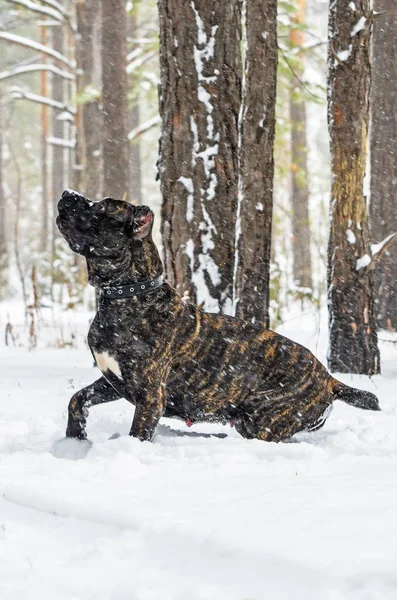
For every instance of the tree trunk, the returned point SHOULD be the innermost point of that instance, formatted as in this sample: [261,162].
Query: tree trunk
[353,339]
[200,64]
[89,118]
[134,122]
[257,123]
[3,238]
[302,267]
[58,151]
[383,130]
[44,129]
[114,99]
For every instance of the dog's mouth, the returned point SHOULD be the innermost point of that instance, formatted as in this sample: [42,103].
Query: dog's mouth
[78,246]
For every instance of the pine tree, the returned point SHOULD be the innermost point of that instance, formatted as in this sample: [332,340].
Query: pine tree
[200,61]
[256,172]
[353,339]
[384,157]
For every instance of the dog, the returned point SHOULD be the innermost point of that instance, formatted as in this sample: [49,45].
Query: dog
[169,358]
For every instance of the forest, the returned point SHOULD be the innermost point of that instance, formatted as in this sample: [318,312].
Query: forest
[262,134]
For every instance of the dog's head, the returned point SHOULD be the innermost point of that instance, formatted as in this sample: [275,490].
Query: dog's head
[114,236]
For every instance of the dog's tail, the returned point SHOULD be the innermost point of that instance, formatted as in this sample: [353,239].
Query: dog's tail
[355,397]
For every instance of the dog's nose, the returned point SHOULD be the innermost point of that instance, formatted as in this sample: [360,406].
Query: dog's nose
[71,199]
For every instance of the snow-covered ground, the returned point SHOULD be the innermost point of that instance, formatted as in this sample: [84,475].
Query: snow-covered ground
[190,517]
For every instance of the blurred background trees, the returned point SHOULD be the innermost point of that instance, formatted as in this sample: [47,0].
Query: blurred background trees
[241,185]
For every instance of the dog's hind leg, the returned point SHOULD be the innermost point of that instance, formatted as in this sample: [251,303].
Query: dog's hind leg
[97,393]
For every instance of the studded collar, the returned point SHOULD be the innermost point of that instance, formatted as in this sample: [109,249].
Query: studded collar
[129,290]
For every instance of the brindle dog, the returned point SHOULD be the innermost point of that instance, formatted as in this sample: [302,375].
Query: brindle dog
[169,358]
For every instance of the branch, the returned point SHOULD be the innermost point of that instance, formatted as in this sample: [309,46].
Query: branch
[378,250]
[58,12]
[61,142]
[296,76]
[58,6]
[50,12]
[135,64]
[138,131]
[36,67]
[17,94]
[366,263]
[27,43]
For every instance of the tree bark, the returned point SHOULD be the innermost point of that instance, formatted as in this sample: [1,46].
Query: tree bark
[58,152]
[3,247]
[257,123]
[353,339]
[383,132]
[200,65]
[114,99]
[44,129]
[89,118]
[302,267]
[134,122]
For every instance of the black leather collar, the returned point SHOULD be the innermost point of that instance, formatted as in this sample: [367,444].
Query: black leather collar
[131,289]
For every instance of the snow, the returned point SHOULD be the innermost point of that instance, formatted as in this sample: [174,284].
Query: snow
[344,55]
[351,238]
[376,248]
[188,183]
[189,517]
[363,262]
[33,45]
[359,26]
[40,9]
[36,67]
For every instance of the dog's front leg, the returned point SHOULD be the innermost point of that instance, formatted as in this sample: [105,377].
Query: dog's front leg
[97,393]
[149,409]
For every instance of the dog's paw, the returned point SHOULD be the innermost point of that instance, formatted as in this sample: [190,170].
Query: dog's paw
[70,448]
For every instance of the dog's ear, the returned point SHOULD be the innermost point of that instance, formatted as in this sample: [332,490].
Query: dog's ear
[144,225]
[143,222]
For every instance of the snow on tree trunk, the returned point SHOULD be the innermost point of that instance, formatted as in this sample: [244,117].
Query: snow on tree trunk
[255,203]
[353,339]
[383,130]
[200,62]
[302,268]
[114,99]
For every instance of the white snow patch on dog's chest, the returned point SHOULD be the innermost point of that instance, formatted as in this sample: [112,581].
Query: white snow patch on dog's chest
[107,363]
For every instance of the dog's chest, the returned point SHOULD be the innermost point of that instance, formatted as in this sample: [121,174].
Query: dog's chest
[106,362]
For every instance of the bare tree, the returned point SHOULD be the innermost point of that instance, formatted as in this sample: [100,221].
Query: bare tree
[114,99]
[384,156]
[200,62]
[353,339]
[257,127]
